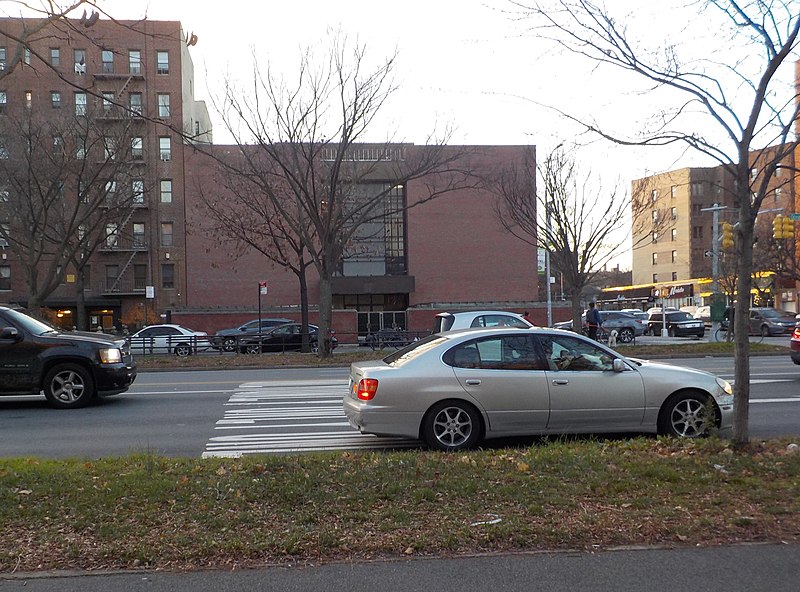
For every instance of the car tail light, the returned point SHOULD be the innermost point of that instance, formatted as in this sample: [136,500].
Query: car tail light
[796,333]
[367,387]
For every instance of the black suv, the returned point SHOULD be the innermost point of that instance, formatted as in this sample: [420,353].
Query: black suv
[679,324]
[71,368]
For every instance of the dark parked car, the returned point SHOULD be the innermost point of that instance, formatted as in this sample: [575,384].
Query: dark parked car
[679,324]
[226,339]
[287,337]
[768,321]
[625,324]
[794,346]
[70,368]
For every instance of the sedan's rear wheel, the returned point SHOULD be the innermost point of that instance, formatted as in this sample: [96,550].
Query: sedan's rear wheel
[253,348]
[626,335]
[688,415]
[452,425]
[68,386]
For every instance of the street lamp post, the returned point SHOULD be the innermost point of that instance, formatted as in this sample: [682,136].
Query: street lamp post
[715,247]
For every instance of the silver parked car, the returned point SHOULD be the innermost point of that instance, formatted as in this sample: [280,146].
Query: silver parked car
[166,339]
[450,321]
[454,389]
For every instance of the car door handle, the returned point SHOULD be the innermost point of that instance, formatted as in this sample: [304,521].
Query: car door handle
[473,381]
[560,381]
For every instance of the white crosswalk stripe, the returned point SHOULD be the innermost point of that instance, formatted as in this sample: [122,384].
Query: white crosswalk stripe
[289,417]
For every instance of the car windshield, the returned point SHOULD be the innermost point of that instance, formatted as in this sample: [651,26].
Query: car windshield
[771,313]
[30,324]
[414,349]
[680,316]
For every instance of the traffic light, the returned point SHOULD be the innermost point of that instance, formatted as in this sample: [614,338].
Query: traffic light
[777,227]
[788,227]
[727,236]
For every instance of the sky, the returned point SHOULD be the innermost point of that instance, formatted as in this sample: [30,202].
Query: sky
[471,65]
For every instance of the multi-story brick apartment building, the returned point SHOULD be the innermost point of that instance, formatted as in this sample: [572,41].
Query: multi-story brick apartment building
[675,249]
[449,253]
[133,73]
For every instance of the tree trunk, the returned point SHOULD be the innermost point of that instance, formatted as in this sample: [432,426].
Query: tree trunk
[301,276]
[741,330]
[577,311]
[325,314]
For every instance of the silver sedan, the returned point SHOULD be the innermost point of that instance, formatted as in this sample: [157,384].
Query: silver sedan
[454,389]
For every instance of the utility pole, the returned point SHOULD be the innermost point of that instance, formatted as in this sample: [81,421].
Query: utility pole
[715,247]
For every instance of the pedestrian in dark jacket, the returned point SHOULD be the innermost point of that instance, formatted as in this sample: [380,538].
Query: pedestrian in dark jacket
[593,320]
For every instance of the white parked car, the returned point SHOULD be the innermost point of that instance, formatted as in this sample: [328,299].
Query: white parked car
[450,321]
[166,339]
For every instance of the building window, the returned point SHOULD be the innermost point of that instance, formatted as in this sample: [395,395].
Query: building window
[108,101]
[137,191]
[55,57]
[109,148]
[654,195]
[697,189]
[26,56]
[3,101]
[5,277]
[2,58]
[673,191]
[697,209]
[655,216]
[112,272]
[138,235]
[79,57]
[753,173]
[674,276]
[697,232]
[166,190]
[80,147]
[674,256]
[80,103]
[674,213]
[167,276]
[162,62]
[655,258]
[134,61]
[163,105]
[165,148]
[166,234]
[674,234]
[4,154]
[58,142]
[28,99]
[4,195]
[139,276]
[655,237]
[107,59]
[137,147]
[112,235]
[135,103]
[55,99]
[655,278]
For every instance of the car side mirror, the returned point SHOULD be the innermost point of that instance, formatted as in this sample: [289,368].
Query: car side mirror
[618,365]
[10,333]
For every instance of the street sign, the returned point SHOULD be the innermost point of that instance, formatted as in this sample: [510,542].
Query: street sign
[794,216]
[150,292]
[708,253]
[262,287]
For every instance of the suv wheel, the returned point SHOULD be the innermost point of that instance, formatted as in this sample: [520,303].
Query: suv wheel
[68,386]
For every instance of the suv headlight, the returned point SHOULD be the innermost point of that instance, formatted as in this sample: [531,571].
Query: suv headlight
[110,356]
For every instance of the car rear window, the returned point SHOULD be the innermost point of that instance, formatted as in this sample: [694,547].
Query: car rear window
[413,349]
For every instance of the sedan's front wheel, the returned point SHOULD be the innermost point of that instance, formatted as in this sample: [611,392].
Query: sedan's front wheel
[253,348]
[182,350]
[626,335]
[452,425]
[688,415]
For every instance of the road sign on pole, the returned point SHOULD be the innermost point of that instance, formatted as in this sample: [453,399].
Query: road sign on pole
[794,216]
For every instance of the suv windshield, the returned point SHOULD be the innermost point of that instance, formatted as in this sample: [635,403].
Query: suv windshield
[29,323]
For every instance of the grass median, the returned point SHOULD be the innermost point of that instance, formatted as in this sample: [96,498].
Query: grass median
[146,511]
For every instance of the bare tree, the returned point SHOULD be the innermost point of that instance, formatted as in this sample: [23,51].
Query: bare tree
[246,218]
[306,138]
[67,186]
[569,215]
[741,99]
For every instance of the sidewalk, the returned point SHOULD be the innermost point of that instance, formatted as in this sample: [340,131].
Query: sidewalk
[742,568]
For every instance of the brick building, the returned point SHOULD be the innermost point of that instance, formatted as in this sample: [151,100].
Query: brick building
[451,253]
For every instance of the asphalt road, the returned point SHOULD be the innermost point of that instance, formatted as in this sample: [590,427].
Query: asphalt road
[746,568]
[234,412]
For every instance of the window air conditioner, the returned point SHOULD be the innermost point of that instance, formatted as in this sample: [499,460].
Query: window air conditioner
[80,68]
[165,157]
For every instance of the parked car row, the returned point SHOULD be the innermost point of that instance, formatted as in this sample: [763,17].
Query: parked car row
[627,325]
